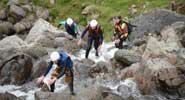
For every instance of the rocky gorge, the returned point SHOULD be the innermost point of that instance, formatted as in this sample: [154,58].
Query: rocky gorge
[151,68]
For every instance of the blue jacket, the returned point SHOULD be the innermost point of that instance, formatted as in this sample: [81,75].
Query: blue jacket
[65,61]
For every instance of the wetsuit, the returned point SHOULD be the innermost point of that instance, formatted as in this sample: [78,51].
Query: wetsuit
[72,30]
[95,35]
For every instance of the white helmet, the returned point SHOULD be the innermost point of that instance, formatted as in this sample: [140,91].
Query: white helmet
[93,23]
[54,56]
[69,21]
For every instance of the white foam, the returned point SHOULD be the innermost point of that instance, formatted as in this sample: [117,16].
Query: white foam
[106,52]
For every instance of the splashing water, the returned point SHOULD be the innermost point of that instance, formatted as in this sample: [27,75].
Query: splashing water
[125,89]
[105,54]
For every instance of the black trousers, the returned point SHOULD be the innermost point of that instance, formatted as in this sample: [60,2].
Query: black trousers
[96,44]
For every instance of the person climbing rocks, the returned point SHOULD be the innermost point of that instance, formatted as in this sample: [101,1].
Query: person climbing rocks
[70,27]
[120,32]
[59,65]
[95,35]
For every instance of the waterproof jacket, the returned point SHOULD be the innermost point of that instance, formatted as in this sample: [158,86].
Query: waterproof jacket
[63,63]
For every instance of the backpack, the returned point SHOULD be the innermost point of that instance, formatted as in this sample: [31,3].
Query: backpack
[129,26]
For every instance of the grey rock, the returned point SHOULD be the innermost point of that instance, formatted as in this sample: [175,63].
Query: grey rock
[6,28]
[69,44]
[151,97]
[8,96]
[3,14]
[153,22]
[27,7]
[18,27]
[127,57]
[99,68]
[181,90]
[83,67]
[13,2]
[12,42]
[164,72]
[42,13]
[12,66]
[39,68]
[35,50]
[17,12]
[24,25]
[42,33]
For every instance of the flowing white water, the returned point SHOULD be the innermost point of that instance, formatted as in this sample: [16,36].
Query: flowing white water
[106,52]
[124,88]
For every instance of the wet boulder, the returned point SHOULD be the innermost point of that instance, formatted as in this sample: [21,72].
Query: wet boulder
[83,67]
[6,28]
[42,13]
[39,68]
[153,22]
[17,12]
[16,69]
[24,25]
[8,96]
[127,57]
[9,45]
[12,41]
[43,33]
[69,44]
[35,50]
[98,69]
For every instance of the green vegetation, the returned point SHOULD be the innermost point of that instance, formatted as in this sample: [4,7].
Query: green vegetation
[106,8]
[3,4]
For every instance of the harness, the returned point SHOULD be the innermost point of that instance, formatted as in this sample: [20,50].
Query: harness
[95,33]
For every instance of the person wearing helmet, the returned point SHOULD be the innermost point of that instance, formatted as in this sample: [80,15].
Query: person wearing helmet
[70,27]
[120,32]
[95,34]
[59,65]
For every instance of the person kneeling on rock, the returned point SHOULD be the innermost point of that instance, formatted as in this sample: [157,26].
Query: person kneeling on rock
[59,65]
[121,32]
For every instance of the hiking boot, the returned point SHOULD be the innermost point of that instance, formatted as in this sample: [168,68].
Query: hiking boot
[96,54]
[73,94]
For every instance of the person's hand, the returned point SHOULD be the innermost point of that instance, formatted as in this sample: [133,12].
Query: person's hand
[113,38]
[51,81]
[78,34]
[99,48]
[69,37]
[79,42]
[117,41]
[40,79]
